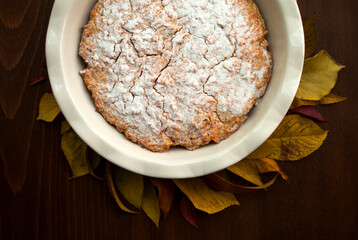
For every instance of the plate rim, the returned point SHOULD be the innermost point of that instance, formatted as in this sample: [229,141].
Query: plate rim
[169,169]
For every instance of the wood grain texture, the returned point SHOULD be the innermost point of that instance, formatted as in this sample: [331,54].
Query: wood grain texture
[38,201]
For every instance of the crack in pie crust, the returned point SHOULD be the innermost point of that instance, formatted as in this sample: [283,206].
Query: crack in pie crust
[175,72]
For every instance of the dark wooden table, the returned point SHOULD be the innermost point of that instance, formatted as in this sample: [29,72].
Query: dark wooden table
[38,201]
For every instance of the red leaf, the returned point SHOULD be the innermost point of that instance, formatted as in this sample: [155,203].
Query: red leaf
[309,111]
[188,211]
[44,64]
[36,80]
[165,194]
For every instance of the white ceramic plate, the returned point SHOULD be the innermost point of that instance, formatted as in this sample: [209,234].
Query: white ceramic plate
[286,40]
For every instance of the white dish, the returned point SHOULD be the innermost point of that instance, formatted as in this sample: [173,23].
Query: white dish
[286,40]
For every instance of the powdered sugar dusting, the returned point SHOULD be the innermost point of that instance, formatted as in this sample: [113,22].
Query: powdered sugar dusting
[175,72]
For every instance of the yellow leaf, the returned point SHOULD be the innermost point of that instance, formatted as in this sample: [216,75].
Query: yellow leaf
[299,102]
[112,188]
[264,150]
[318,77]
[48,109]
[328,99]
[166,189]
[65,127]
[75,152]
[247,170]
[296,137]
[150,203]
[130,185]
[310,35]
[203,197]
[265,165]
[332,98]
[266,185]
[93,160]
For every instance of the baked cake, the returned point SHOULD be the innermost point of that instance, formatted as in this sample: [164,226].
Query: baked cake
[175,72]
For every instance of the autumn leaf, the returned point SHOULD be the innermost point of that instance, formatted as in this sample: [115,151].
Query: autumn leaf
[265,165]
[332,98]
[112,188]
[188,211]
[166,189]
[295,138]
[319,76]
[299,102]
[65,127]
[48,109]
[310,35]
[266,185]
[204,198]
[81,159]
[247,170]
[130,185]
[264,150]
[75,152]
[150,203]
[36,81]
[44,64]
[93,160]
[309,111]
[222,184]
[328,99]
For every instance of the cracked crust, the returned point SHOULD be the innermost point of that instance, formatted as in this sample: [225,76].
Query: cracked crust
[175,72]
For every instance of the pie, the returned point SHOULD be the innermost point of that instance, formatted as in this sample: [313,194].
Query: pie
[175,72]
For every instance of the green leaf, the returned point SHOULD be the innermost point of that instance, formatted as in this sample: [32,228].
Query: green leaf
[130,185]
[48,109]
